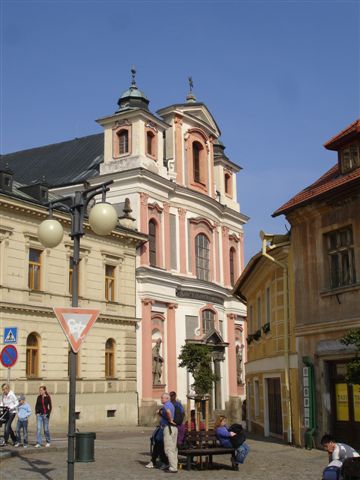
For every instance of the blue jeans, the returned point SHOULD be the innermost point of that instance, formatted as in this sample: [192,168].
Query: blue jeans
[22,425]
[42,421]
[241,453]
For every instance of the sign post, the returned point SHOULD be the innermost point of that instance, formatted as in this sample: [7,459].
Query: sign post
[8,358]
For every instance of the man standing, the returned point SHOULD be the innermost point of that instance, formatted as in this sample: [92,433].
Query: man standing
[179,414]
[170,432]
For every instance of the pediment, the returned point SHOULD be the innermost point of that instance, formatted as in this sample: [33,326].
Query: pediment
[203,114]
[213,337]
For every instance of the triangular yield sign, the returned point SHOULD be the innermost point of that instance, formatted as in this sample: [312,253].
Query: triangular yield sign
[76,323]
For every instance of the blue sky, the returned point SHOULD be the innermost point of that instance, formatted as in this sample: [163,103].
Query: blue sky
[280,78]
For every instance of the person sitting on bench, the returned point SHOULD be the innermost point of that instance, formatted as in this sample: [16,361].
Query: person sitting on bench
[225,437]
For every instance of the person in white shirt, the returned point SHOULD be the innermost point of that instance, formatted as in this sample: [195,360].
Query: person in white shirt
[10,401]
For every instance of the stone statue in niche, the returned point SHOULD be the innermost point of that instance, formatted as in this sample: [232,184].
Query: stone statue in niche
[157,361]
[239,359]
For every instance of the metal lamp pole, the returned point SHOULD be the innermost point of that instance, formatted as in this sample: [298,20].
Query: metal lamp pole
[77,211]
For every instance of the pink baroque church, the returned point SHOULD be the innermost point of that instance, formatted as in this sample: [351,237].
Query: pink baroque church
[183,193]
[173,182]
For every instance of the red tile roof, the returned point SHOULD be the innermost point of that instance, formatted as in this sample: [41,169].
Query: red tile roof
[344,136]
[331,182]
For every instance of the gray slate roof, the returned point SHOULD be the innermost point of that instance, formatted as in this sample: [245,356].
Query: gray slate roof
[63,163]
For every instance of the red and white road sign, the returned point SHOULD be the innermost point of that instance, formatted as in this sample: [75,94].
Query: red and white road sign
[76,323]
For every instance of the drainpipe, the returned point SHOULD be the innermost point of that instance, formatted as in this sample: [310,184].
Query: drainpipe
[265,238]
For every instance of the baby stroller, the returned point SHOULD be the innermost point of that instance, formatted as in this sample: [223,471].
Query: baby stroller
[3,420]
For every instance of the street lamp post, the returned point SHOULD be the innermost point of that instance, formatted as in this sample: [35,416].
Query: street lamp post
[103,219]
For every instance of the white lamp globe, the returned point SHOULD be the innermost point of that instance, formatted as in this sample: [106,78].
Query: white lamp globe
[50,233]
[103,218]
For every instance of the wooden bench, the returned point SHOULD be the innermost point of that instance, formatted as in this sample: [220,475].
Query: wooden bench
[204,444]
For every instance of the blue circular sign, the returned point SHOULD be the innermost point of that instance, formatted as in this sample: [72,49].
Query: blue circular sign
[8,356]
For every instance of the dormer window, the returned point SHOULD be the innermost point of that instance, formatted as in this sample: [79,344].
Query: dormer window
[349,158]
[123,136]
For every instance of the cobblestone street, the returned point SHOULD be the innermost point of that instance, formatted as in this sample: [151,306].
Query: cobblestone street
[123,455]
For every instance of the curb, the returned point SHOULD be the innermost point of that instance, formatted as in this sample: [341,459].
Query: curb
[24,452]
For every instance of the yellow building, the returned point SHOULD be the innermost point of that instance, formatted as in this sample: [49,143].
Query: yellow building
[266,285]
[34,279]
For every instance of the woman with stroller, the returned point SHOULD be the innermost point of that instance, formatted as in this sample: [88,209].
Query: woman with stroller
[9,401]
[43,409]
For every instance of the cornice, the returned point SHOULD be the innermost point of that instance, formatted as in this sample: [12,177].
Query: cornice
[326,327]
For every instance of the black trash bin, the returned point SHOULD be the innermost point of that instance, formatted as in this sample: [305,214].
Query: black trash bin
[85,446]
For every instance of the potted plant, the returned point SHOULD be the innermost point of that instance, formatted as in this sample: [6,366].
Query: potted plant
[196,358]
[257,334]
[266,327]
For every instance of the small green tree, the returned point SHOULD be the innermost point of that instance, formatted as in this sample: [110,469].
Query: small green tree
[353,367]
[196,358]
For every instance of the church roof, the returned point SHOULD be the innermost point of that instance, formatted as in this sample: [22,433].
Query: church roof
[63,163]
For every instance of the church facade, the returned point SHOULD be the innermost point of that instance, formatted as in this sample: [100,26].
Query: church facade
[183,194]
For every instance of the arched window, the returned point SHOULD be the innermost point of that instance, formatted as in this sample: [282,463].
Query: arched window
[227,180]
[232,266]
[32,355]
[152,243]
[150,143]
[123,136]
[202,256]
[110,358]
[207,320]
[196,152]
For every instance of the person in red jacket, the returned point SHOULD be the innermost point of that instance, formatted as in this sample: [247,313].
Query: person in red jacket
[43,409]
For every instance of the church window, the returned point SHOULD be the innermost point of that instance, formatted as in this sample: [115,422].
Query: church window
[123,136]
[202,255]
[150,143]
[232,266]
[208,321]
[196,150]
[152,243]
[227,180]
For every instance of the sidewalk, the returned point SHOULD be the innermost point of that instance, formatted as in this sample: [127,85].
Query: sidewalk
[122,453]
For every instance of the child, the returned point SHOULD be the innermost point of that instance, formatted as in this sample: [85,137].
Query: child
[24,412]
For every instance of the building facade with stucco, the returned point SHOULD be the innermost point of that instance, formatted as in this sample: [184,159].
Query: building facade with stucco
[325,240]
[183,194]
[34,280]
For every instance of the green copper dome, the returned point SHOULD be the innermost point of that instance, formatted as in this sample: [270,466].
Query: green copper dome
[133,97]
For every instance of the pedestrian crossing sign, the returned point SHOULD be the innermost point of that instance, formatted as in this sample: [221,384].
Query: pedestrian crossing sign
[10,335]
